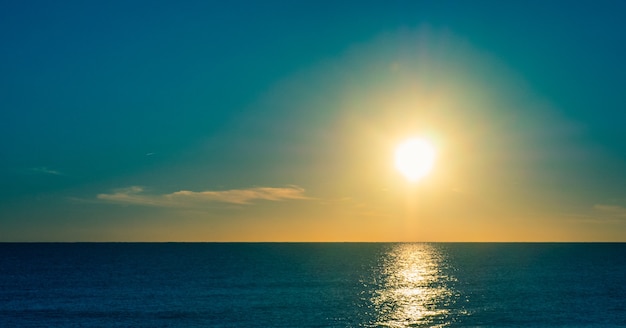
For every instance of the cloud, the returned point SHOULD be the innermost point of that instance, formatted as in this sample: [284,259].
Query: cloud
[45,170]
[612,211]
[135,195]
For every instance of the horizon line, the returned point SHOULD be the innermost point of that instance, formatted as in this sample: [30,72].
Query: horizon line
[312,242]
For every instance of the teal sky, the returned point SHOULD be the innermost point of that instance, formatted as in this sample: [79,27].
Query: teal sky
[276,121]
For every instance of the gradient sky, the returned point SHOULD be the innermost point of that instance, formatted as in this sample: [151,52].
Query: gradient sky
[277,120]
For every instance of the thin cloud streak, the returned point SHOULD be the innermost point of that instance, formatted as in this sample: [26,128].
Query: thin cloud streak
[135,196]
[45,170]
[613,211]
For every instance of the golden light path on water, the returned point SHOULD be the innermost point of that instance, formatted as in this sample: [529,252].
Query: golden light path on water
[415,291]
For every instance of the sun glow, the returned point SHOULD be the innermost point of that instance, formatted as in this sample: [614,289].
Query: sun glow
[415,158]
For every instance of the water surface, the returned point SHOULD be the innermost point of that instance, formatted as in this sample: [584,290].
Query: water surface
[312,285]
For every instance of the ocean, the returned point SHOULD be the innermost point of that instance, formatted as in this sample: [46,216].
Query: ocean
[313,285]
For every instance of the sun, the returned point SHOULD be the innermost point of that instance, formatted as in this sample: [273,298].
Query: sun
[415,158]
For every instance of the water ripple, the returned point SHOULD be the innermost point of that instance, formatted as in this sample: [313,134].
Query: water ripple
[414,290]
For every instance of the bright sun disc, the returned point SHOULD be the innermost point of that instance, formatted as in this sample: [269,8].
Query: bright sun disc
[415,158]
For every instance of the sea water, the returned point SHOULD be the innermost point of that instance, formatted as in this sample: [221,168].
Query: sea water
[313,285]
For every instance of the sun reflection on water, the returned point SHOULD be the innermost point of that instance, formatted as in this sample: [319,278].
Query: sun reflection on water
[415,290]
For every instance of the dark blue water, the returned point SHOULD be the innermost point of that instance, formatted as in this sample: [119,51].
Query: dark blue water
[312,285]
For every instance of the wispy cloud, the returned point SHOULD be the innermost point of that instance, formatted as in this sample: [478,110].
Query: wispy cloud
[614,212]
[136,195]
[45,170]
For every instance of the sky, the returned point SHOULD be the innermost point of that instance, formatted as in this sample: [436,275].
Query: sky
[278,120]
